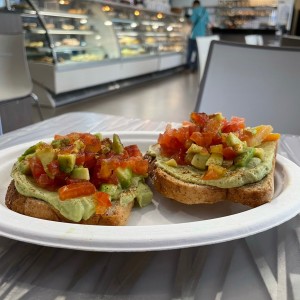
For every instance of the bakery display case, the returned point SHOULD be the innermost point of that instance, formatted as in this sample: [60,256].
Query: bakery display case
[73,45]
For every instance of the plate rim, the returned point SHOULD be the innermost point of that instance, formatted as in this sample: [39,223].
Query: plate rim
[151,237]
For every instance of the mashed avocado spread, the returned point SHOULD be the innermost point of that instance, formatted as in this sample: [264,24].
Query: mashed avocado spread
[73,209]
[234,177]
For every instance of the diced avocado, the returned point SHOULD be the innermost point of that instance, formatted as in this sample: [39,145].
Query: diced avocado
[243,159]
[199,160]
[66,162]
[46,155]
[171,162]
[215,159]
[233,141]
[60,143]
[99,136]
[24,167]
[30,150]
[144,195]
[259,152]
[80,173]
[127,196]
[117,145]
[218,116]
[111,189]
[124,177]
[194,148]
[79,145]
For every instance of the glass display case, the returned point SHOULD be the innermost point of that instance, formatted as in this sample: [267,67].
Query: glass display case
[144,32]
[247,14]
[81,31]
[75,44]
[66,32]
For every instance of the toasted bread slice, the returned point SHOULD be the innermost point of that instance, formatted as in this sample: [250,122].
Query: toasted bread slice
[116,215]
[253,194]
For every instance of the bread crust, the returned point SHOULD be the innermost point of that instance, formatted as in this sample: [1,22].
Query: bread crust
[116,215]
[253,195]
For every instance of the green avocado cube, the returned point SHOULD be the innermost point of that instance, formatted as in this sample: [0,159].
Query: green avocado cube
[243,159]
[127,196]
[80,173]
[24,167]
[46,155]
[215,159]
[233,141]
[194,148]
[111,189]
[117,145]
[66,162]
[124,176]
[144,195]
[199,160]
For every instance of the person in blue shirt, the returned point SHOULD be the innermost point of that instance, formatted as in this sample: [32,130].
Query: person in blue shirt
[199,20]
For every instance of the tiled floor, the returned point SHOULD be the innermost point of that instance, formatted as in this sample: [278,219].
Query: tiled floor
[168,99]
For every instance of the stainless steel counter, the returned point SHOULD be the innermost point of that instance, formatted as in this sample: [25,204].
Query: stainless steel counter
[262,266]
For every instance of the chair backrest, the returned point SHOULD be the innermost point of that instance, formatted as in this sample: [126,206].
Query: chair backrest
[203,44]
[290,41]
[259,83]
[15,80]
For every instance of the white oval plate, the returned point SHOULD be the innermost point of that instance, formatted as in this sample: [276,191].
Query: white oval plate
[165,224]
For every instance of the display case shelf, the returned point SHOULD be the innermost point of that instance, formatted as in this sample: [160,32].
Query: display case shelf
[75,44]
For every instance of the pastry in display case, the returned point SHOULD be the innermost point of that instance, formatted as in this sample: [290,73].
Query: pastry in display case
[75,45]
[66,32]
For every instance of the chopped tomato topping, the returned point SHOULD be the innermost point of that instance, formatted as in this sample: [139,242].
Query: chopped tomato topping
[102,201]
[235,124]
[75,190]
[133,150]
[229,153]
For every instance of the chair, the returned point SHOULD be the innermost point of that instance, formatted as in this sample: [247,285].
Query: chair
[259,83]
[15,82]
[203,43]
[290,41]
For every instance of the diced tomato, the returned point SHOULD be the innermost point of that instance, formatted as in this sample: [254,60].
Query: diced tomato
[102,201]
[75,190]
[53,168]
[45,181]
[139,166]
[202,139]
[133,150]
[36,167]
[80,158]
[89,160]
[199,118]
[229,153]
[235,124]
[92,143]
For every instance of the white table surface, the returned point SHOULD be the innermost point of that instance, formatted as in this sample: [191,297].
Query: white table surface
[263,266]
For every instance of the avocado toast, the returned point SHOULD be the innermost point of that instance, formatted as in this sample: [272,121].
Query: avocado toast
[209,159]
[79,178]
